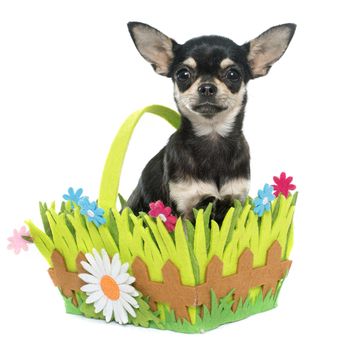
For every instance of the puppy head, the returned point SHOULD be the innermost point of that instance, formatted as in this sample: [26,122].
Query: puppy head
[210,73]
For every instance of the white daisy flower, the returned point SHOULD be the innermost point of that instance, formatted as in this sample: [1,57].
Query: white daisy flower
[108,286]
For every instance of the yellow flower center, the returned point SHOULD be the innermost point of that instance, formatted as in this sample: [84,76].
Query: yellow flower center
[110,287]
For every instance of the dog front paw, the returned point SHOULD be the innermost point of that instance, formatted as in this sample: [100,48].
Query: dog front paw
[220,209]
[205,202]
[202,204]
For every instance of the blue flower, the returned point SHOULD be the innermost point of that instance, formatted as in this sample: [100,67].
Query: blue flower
[72,196]
[262,203]
[92,212]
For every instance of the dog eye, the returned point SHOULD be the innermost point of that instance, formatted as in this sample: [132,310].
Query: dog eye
[183,74]
[233,75]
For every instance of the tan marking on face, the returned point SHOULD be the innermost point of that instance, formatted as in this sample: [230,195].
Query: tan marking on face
[223,90]
[220,124]
[190,62]
[226,62]
[188,97]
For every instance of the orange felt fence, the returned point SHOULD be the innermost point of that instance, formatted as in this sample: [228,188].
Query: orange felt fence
[180,297]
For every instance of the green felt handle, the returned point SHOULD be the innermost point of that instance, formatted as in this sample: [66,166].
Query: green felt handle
[114,163]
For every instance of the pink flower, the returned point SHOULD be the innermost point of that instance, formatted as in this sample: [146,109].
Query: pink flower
[17,242]
[158,209]
[283,185]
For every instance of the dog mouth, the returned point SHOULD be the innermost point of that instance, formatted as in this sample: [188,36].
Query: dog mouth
[208,109]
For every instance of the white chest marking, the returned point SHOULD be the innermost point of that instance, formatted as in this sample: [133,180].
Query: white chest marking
[221,124]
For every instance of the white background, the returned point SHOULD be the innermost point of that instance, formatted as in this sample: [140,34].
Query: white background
[70,74]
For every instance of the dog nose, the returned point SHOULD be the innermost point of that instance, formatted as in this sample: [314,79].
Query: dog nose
[207,89]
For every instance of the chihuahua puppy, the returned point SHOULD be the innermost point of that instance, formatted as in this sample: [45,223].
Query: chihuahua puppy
[207,158]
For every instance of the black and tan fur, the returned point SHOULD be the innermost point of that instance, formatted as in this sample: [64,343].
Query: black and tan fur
[207,158]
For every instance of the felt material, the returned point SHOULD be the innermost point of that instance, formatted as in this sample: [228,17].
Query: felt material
[140,236]
[42,241]
[263,201]
[68,282]
[237,239]
[179,296]
[218,238]
[72,305]
[182,256]
[171,292]
[112,170]
[88,310]
[18,240]
[92,212]
[73,196]
[220,313]
[144,315]
[43,209]
[158,209]
[109,286]
[63,239]
[283,185]
[246,276]
[200,245]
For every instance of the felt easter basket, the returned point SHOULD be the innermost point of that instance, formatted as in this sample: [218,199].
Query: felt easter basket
[191,280]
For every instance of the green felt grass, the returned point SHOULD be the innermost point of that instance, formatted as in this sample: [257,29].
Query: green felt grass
[142,236]
[219,314]
[206,320]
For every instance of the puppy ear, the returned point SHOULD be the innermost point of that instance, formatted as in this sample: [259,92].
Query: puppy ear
[154,46]
[268,48]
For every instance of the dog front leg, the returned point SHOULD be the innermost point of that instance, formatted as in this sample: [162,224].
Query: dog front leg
[231,190]
[190,194]
[235,189]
